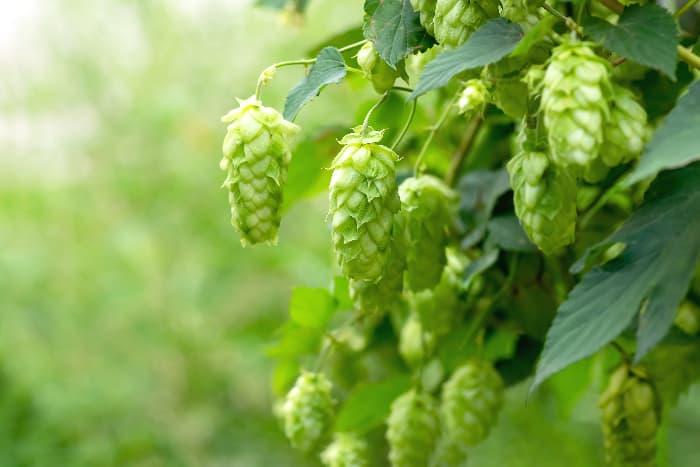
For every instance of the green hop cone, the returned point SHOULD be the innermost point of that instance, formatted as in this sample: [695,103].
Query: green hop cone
[308,411]
[415,343]
[412,429]
[471,400]
[473,98]
[376,69]
[517,11]
[688,318]
[256,156]
[545,200]
[456,20]
[449,453]
[426,8]
[575,93]
[429,206]
[346,450]
[363,202]
[631,411]
[626,130]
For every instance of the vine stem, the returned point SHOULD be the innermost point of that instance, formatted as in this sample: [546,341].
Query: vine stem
[365,123]
[688,5]
[600,202]
[433,130]
[570,23]
[406,126]
[463,150]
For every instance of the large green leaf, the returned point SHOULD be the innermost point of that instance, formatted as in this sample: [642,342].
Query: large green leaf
[647,280]
[311,307]
[676,142]
[682,355]
[368,405]
[507,233]
[394,29]
[479,190]
[535,34]
[488,44]
[328,69]
[644,34]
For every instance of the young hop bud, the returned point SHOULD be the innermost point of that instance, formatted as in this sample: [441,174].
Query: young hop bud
[631,415]
[426,8]
[626,130]
[376,69]
[256,156]
[415,343]
[456,20]
[517,11]
[473,98]
[308,411]
[363,202]
[412,429]
[346,450]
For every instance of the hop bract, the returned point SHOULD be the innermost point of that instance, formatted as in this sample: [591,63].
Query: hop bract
[545,200]
[426,8]
[429,206]
[346,450]
[363,202]
[631,412]
[376,69]
[473,97]
[415,343]
[471,400]
[308,411]
[626,131]
[576,90]
[256,155]
[412,429]
[456,20]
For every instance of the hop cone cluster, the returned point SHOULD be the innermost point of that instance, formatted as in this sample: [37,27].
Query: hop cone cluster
[545,200]
[575,93]
[412,429]
[308,411]
[473,97]
[426,8]
[626,130]
[376,69]
[346,450]
[363,202]
[631,413]
[471,400]
[415,343]
[429,205]
[256,155]
[456,20]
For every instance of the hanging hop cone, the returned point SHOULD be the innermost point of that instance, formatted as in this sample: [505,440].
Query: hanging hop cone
[256,155]
[517,11]
[631,412]
[471,400]
[346,450]
[429,206]
[473,98]
[363,202]
[456,20]
[576,90]
[426,8]
[412,429]
[376,69]
[626,130]
[415,343]
[308,412]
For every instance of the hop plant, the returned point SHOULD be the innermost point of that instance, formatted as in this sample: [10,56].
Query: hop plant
[256,156]
[626,130]
[376,69]
[473,97]
[346,450]
[412,429]
[471,400]
[576,90]
[429,206]
[456,20]
[308,411]
[426,8]
[415,343]
[517,11]
[363,202]
[631,412]
[545,200]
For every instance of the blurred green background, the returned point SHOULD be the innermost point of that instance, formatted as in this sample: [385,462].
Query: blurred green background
[134,326]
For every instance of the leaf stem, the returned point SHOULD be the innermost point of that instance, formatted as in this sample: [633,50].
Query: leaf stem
[688,5]
[365,123]
[406,126]
[433,130]
[463,150]
[352,46]
[570,23]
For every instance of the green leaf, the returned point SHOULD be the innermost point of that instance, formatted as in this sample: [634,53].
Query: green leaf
[500,345]
[534,35]
[479,190]
[480,265]
[341,293]
[644,34]
[349,36]
[676,142]
[488,44]
[295,340]
[311,307]
[368,405]
[647,280]
[674,367]
[507,233]
[328,69]
[276,4]
[394,29]
[570,385]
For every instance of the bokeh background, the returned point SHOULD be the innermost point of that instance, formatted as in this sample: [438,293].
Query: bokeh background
[133,326]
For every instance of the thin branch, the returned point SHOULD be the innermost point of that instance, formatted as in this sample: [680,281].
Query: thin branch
[463,150]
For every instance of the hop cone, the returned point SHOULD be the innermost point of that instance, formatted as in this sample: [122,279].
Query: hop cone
[412,429]
[376,69]
[688,317]
[631,414]
[456,20]
[517,11]
[346,450]
[363,202]
[471,400]
[428,205]
[626,130]
[426,8]
[256,156]
[473,97]
[308,411]
[575,93]
[449,453]
[415,343]
[545,200]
